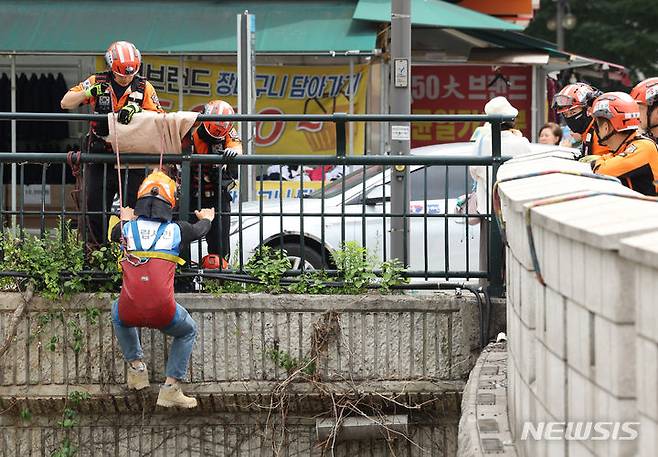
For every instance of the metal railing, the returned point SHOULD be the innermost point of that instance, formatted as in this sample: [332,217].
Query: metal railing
[353,208]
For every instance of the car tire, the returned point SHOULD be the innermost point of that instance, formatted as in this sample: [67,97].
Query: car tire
[312,258]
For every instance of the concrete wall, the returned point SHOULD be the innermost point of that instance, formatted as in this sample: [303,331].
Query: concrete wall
[394,354]
[583,339]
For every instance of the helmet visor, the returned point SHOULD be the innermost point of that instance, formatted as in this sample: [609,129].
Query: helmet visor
[563,102]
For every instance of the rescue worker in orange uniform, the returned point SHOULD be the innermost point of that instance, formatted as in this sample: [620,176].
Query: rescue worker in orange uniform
[634,157]
[645,94]
[573,102]
[212,184]
[152,243]
[121,90]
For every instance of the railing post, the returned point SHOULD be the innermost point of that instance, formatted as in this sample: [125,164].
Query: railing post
[184,199]
[495,257]
[339,119]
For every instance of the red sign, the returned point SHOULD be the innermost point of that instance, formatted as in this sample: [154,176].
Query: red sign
[465,89]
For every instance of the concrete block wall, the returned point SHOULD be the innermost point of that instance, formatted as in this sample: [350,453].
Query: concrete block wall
[385,352]
[583,329]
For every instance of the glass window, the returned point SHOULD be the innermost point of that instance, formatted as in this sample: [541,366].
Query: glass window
[459,182]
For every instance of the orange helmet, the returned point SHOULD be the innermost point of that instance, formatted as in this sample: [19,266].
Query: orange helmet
[218,129]
[123,58]
[619,108]
[573,95]
[639,92]
[158,185]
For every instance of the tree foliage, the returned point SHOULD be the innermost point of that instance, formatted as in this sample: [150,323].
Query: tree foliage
[620,31]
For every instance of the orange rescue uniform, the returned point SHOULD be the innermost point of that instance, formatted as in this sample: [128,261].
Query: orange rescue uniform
[636,165]
[591,144]
[150,101]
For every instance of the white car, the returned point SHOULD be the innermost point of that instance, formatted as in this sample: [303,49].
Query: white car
[281,224]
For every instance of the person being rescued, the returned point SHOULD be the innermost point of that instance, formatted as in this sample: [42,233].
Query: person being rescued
[634,157]
[152,243]
[212,184]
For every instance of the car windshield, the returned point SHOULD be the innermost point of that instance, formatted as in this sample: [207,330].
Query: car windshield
[353,179]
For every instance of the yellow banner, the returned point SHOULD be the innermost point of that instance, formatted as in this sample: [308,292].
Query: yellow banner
[279,90]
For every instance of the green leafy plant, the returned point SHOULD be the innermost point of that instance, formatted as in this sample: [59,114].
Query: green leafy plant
[66,449]
[355,267]
[44,259]
[26,415]
[106,259]
[284,360]
[392,275]
[312,282]
[268,265]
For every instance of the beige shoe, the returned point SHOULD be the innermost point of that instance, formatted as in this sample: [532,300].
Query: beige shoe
[171,396]
[138,379]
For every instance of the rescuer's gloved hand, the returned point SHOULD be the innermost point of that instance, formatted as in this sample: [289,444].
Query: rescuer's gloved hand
[230,153]
[127,112]
[97,89]
[589,159]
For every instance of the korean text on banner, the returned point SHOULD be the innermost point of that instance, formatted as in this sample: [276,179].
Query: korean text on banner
[279,90]
[465,89]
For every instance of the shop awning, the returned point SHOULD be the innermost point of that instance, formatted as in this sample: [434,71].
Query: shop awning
[181,27]
[518,46]
[434,13]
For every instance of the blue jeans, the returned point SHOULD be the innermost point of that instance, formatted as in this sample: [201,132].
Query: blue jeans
[182,328]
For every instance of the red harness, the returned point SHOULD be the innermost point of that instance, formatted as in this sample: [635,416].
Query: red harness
[147,294]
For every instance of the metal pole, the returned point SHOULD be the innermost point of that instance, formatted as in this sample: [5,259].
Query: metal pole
[539,84]
[246,25]
[559,17]
[351,124]
[13,140]
[400,131]
[181,82]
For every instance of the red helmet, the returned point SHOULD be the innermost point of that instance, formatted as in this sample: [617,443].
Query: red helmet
[574,95]
[619,108]
[123,58]
[644,90]
[214,262]
[639,92]
[218,129]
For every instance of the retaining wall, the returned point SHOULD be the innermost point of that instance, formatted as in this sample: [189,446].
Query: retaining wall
[582,319]
[388,354]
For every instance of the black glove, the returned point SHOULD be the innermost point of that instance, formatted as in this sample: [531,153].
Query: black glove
[97,89]
[126,113]
[231,153]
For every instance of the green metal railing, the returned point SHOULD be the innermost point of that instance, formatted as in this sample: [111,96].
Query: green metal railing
[303,218]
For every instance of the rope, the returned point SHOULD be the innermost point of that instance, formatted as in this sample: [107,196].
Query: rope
[162,134]
[122,241]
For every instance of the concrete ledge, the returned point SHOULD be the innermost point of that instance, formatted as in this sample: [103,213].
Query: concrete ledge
[484,425]
[252,396]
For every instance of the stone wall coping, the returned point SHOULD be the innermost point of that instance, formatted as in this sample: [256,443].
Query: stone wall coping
[521,191]
[600,221]
[560,153]
[642,249]
[519,166]
[448,302]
